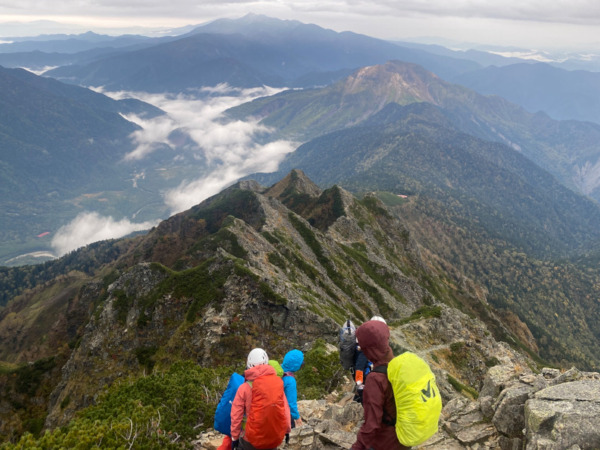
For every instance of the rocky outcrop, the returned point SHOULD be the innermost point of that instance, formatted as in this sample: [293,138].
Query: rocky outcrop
[295,182]
[564,416]
[518,409]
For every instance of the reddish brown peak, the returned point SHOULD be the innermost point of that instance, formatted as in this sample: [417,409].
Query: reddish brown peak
[394,81]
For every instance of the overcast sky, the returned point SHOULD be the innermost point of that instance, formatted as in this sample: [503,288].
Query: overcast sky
[538,24]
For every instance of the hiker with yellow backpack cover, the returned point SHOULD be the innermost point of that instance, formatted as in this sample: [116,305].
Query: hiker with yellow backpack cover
[401,401]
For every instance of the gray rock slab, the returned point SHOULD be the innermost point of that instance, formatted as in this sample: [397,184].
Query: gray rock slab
[583,390]
[564,416]
[476,433]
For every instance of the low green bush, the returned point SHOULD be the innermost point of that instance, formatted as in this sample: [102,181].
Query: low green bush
[322,372]
[163,410]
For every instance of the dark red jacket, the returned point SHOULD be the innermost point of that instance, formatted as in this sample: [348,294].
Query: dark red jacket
[373,337]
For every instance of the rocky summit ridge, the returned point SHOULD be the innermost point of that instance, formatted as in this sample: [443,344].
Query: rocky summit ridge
[244,269]
[282,267]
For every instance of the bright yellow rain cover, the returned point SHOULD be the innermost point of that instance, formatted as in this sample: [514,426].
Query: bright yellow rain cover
[418,400]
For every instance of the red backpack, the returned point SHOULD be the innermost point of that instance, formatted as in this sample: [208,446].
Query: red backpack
[267,422]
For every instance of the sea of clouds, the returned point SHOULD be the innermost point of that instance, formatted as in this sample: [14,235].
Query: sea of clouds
[229,148]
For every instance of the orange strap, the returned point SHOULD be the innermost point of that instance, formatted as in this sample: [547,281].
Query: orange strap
[359,376]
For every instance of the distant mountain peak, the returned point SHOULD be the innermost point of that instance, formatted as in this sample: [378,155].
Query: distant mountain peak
[253,17]
[249,24]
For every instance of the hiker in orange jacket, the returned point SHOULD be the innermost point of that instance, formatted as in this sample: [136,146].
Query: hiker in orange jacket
[374,434]
[257,366]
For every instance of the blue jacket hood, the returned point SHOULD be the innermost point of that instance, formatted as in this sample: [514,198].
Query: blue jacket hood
[292,361]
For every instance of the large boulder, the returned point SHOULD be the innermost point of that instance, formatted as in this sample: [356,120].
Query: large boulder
[563,416]
[496,379]
[509,418]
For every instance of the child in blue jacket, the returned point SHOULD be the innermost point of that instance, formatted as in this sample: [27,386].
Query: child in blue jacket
[292,362]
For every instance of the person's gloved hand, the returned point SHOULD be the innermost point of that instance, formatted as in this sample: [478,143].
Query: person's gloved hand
[235,444]
[358,397]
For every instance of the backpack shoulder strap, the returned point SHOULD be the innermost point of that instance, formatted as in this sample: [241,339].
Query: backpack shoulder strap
[380,369]
[387,417]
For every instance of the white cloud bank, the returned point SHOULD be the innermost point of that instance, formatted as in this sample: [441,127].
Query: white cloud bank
[229,150]
[89,227]
[253,158]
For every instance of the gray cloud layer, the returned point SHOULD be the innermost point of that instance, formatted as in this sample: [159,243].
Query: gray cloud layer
[490,21]
[573,11]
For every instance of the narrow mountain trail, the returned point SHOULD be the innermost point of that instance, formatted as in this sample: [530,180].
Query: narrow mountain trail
[397,337]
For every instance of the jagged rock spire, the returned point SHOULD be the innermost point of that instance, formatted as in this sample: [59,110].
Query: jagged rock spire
[295,183]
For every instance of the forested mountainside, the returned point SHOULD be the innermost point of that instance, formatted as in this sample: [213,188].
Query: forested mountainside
[565,149]
[61,146]
[73,129]
[414,150]
[277,267]
[562,94]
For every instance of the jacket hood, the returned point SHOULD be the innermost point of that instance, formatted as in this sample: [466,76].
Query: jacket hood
[257,371]
[292,361]
[373,337]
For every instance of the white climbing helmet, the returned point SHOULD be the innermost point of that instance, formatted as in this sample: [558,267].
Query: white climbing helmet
[257,357]
[379,319]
